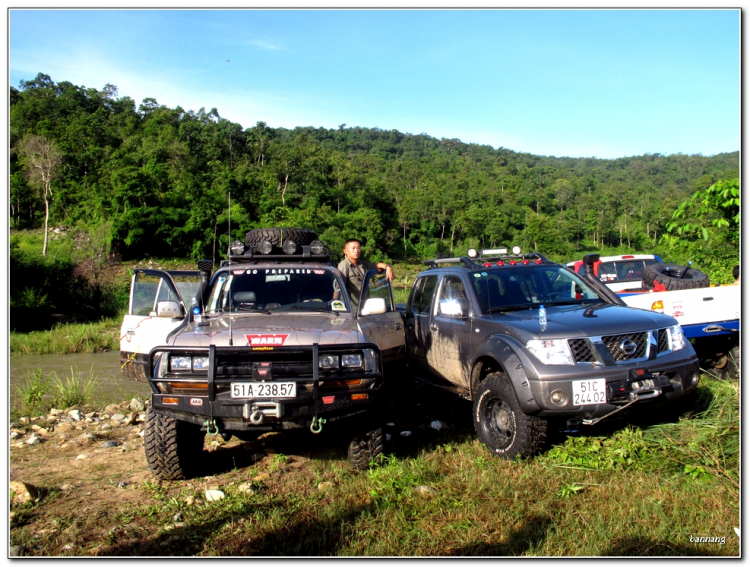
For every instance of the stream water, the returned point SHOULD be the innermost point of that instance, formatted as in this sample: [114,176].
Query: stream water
[104,366]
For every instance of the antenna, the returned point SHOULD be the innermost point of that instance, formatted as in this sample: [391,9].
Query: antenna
[229,260]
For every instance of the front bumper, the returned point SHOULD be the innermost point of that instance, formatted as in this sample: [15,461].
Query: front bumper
[671,377]
[319,394]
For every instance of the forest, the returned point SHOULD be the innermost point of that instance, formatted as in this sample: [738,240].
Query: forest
[148,181]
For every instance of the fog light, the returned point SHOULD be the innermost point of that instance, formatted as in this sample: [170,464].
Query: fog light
[558,398]
[317,247]
[265,247]
[695,379]
[289,247]
[237,248]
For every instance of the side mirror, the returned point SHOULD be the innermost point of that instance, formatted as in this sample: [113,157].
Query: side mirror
[170,309]
[374,306]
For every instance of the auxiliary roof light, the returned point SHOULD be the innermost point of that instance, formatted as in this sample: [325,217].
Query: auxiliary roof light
[525,262]
[487,265]
[516,250]
[290,247]
[472,253]
[500,263]
[317,247]
[237,247]
[265,247]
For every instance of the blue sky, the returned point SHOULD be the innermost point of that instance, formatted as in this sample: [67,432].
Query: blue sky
[604,83]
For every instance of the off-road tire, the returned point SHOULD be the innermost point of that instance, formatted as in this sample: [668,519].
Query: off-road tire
[674,277]
[173,447]
[729,367]
[276,236]
[365,447]
[133,371]
[500,422]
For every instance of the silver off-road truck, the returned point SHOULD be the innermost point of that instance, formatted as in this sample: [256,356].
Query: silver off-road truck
[269,341]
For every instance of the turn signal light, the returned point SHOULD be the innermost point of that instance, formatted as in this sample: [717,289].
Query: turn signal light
[190,385]
[657,306]
[359,396]
[170,400]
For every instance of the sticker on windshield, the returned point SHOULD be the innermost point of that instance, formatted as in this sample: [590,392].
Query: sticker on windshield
[319,272]
[484,273]
[477,275]
[238,272]
[338,306]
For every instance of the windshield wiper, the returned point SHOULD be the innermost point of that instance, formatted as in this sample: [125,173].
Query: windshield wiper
[571,302]
[251,309]
[510,308]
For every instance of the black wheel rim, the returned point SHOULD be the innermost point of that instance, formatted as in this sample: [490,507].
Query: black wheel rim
[500,422]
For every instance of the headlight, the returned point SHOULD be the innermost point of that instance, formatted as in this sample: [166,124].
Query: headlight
[554,351]
[351,360]
[200,363]
[328,361]
[676,337]
[179,363]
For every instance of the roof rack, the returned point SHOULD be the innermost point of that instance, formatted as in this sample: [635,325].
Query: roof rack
[463,259]
[526,256]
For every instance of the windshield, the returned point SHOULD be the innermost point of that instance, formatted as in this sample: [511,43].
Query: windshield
[528,287]
[275,289]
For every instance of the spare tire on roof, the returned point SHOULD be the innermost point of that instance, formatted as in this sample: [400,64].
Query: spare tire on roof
[276,236]
[674,276]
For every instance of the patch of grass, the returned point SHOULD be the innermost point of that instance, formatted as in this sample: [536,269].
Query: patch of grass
[74,390]
[35,387]
[69,338]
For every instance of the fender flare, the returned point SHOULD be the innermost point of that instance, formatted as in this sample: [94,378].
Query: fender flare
[510,355]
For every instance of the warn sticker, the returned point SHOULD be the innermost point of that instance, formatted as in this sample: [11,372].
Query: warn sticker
[266,340]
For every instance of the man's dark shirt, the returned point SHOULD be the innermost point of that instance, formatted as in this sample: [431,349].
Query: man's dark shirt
[354,276]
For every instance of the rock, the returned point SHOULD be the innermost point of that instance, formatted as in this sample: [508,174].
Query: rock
[88,420]
[23,492]
[137,405]
[112,408]
[262,477]
[141,417]
[327,485]
[63,427]
[189,501]
[14,434]
[85,438]
[65,487]
[68,546]
[19,445]
[214,495]
[33,440]
[16,550]
[247,488]
[108,444]
[118,417]
[82,456]
[55,411]
[75,414]
[122,484]
[89,415]
[142,433]
[24,420]
[426,491]
[177,517]
[129,420]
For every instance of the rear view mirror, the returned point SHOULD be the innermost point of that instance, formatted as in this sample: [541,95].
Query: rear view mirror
[374,306]
[170,309]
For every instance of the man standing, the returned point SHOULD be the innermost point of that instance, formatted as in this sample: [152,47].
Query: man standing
[353,269]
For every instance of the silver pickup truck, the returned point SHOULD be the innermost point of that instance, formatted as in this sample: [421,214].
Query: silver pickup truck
[268,341]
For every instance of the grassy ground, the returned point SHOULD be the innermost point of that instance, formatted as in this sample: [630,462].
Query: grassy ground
[69,338]
[613,490]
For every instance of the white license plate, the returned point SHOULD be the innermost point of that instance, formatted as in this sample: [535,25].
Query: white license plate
[264,389]
[589,392]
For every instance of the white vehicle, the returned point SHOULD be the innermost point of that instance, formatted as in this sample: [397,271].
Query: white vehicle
[619,272]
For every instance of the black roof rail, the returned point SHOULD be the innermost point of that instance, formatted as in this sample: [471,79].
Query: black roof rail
[526,256]
[463,259]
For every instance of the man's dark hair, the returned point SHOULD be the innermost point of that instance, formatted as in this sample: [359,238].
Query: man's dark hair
[736,271]
[352,240]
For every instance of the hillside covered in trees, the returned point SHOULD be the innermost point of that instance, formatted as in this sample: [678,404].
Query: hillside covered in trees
[155,181]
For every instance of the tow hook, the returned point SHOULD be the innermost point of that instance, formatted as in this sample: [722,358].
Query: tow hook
[317,424]
[211,427]
[634,397]
[257,417]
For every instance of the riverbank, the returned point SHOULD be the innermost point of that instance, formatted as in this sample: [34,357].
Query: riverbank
[613,490]
[68,338]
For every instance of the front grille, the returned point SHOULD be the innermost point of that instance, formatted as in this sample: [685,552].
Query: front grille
[663,340]
[581,349]
[613,343]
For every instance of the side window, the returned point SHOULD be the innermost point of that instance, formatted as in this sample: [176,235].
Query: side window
[379,286]
[423,295]
[607,272]
[147,291]
[453,301]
